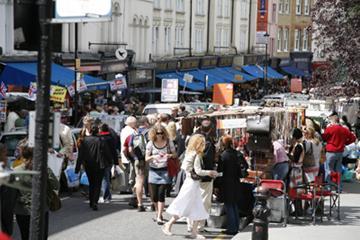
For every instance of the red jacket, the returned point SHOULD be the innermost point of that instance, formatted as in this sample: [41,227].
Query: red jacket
[337,137]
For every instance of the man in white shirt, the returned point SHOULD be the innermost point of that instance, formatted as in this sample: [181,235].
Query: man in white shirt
[10,122]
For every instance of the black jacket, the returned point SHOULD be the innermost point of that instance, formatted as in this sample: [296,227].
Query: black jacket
[89,154]
[208,162]
[108,154]
[230,166]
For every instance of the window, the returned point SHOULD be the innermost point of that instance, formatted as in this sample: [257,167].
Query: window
[180,5]
[243,9]
[157,4]
[218,37]
[243,40]
[305,40]
[286,40]
[219,8]
[287,6]
[281,6]
[167,39]
[226,8]
[200,7]
[306,7]
[168,4]
[199,37]
[279,36]
[155,39]
[226,38]
[298,7]
[297,40]
[273,15]
[179,36]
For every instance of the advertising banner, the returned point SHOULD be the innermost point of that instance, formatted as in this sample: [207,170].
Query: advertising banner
[223,93]
[118,83]
[262,21]
[57,94]
[169,90]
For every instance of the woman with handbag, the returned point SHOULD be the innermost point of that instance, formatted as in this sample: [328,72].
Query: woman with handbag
[158,151]
[189,203]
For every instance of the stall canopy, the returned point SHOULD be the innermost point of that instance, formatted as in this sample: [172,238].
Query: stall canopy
[295,72]
[22,74]
[258,71]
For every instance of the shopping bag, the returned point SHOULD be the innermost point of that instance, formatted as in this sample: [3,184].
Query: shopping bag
[118,179]
[55,164]
[73,179]
[84,179]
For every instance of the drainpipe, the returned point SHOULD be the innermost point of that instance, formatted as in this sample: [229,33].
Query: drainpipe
[249,35]
[208,29]
[190,33]
[232,23]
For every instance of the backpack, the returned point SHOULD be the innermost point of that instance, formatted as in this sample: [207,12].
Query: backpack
[309,160]
[139,143]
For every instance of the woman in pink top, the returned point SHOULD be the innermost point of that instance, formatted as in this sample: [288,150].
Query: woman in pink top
[281,161]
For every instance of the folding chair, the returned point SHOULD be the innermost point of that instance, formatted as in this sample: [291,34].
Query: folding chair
[277,190]
[307,194]
[330,190]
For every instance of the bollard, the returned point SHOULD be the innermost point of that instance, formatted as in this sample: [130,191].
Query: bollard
[261,213]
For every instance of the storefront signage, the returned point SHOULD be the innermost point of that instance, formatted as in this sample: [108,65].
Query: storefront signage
[169,90]
[231,123]
[57,93]
[223,93]
[81,86]
[2,111]
[188,78]
[118,83]
[262,22]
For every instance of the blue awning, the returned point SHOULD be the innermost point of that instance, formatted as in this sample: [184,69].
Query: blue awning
[234,71]
[294,71]
[218,75]
[258,71]
[22,74]
[196,86]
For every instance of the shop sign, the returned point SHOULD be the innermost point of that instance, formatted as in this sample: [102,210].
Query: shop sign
[118,83]
[57,93]
[239,77]
[223,93]
[2,111]
[262,22]
[231,123]
[188,78]
[169,90]
[296,85]
[81,86]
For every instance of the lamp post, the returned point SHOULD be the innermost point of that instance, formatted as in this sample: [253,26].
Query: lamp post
[266,38]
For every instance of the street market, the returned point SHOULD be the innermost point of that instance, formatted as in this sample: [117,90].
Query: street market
[218,119]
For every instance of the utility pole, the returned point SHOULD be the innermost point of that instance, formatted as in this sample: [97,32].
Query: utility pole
[39,182]
[76,68]
[266,62]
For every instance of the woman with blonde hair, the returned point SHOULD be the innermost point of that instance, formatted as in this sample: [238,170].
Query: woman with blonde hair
[189,203]
[158,150]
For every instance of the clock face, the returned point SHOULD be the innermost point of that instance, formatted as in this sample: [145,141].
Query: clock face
[121,53]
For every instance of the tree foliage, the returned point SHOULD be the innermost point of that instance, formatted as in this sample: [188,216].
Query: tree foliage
[336,26]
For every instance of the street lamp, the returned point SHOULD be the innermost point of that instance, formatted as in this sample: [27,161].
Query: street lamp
[266,38]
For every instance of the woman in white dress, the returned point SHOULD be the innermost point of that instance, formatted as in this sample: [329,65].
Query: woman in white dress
[189,203]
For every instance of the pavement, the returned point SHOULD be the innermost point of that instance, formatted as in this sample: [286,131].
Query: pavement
[76,221]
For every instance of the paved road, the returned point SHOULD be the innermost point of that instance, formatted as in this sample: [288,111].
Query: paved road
[75,221]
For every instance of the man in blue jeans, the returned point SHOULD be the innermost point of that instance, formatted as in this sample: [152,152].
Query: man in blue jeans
[336,138]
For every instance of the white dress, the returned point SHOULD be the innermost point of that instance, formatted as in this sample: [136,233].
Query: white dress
[188,202]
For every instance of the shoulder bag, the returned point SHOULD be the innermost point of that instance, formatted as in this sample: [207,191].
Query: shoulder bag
[173,164]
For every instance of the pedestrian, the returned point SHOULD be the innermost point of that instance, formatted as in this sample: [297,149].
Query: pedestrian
[90,158]
[7,197]
[109,157]
[11,118]
[208,163]
[158,150]
[313,148]
[297,154]
[137,150]
[281,161]
[188,202]
[230,167]
[24,198]
[336,137]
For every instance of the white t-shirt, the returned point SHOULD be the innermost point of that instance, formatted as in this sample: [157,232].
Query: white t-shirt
[10,123]
[125,132]
[161,161]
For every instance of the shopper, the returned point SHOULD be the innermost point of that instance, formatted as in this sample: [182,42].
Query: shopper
[189,203]
[336,137]
[90,158]
[109,158]
[24,198]
[313,148]
[158,150]
[281,161]
[230,167]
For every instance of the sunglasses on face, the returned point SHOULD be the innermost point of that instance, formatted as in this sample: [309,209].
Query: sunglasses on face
[159,133]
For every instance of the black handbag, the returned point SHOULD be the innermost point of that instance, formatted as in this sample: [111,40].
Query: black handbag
[260,143]
[259,125]
[194,176]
